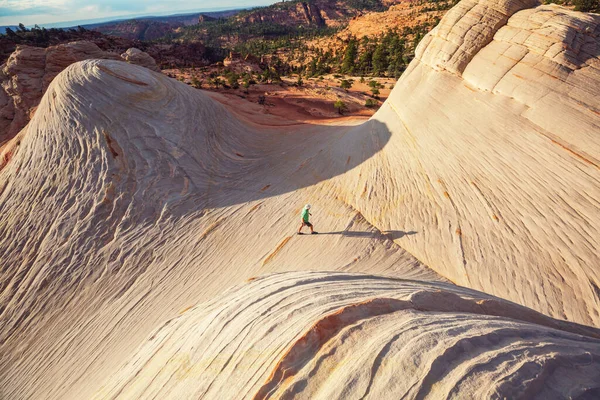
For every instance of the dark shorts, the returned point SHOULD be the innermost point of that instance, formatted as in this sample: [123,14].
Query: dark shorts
[306,223]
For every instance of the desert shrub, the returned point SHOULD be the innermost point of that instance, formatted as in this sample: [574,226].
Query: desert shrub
[340,106]
[196,83]
[371,103]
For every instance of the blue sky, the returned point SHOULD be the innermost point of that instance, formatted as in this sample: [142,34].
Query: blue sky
[31,12]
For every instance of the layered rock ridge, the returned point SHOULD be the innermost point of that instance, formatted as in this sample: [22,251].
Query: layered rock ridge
[332,335]
[494,149]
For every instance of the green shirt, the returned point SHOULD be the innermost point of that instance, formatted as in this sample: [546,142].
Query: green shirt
[305,215]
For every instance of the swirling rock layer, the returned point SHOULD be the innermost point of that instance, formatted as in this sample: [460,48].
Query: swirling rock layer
[25,77]
[131,196]
[333,335]
[495,155]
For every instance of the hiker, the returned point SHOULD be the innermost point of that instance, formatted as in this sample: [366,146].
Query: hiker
[305,220]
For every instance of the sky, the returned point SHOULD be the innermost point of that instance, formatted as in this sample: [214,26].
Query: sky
[30,12]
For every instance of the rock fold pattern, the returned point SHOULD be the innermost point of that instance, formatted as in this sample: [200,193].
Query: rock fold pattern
[25,77]
[308,335]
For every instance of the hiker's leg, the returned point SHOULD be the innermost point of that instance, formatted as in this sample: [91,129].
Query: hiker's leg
[311,228]
[300,229]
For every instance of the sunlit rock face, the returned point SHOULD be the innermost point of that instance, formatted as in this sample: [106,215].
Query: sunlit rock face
[26,75]
[333,335]
[494,155]
[131,199]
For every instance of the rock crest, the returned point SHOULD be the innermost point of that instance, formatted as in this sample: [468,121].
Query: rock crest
[26,75]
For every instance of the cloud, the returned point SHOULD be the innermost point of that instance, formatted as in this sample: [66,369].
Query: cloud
[13,12]
[40,12]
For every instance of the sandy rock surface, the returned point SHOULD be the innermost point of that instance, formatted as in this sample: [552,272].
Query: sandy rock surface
[350,336]
[130,198]
[171,201]
[25,77]
[502,158]
[138,57]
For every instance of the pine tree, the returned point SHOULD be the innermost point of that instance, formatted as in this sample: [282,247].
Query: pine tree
[312,68]
[365,61]
[587,5]
[350,56]
[380,60]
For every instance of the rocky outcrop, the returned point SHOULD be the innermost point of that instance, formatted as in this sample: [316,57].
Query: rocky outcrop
[54,37]
[119,159]
[316,13]
[240,65]
[138,57]
[311,12]
[397,17]
[502,132]
[465,30]
[333,336]
[140,29]
[205,18]
[25,77]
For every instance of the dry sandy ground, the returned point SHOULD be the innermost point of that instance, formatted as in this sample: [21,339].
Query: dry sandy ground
[131,203]
[312,101]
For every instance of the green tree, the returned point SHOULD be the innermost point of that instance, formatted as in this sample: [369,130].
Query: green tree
[246,85]
[374,84]
[350,56]
[312,68]
[587,5]
[380,60]
[346,84]
[375,92]
[11,34]
[217,82]
[247,81]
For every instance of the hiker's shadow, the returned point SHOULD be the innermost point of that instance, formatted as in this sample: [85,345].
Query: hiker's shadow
[390,234]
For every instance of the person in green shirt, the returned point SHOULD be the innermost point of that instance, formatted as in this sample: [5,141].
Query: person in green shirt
[305,220]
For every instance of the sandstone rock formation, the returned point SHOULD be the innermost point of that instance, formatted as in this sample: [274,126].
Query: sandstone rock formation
[131,198]
[26,75]
[350,336]
[136,56]
[406,14]
[497,128]
[236,63]
[137,29]
[151,176]
[313,13]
